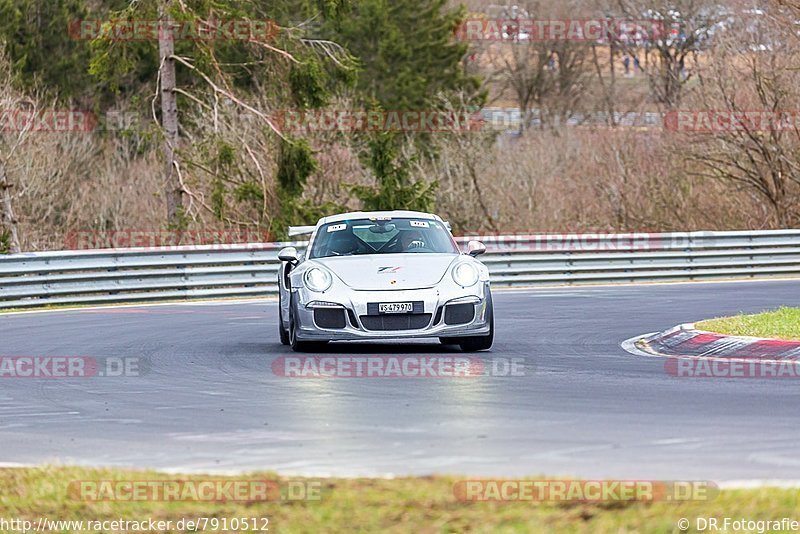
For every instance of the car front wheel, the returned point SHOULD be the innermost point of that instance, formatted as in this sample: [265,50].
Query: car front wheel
[297,345]
[474,344]
[284,334]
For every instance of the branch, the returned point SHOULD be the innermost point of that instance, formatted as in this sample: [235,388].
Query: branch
[229,95]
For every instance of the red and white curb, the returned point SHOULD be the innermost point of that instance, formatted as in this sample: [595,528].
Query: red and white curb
[685,342]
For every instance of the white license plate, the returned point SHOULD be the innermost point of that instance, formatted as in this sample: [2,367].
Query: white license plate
[396,307]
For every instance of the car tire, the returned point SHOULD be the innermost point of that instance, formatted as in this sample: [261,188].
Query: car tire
[282,332]
[478,343]
[296,344]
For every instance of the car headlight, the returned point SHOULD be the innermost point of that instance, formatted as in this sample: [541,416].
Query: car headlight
[318,280]
[465,274]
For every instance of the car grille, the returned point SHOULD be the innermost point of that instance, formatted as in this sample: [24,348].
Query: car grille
[412,321]
[329,317]
[459,314]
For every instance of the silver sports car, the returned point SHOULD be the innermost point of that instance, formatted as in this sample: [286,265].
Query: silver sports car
[384,275]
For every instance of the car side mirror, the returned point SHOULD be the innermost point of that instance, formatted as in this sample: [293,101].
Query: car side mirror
[475,248]
[289,255]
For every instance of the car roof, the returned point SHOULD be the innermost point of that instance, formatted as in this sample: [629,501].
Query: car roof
[396,214]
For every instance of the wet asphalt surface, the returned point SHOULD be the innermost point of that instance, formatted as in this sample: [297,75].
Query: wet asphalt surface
[206,398]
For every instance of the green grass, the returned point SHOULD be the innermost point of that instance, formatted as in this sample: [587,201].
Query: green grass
[377,505]
[783,323]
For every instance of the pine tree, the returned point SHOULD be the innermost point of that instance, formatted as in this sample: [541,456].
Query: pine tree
[289,67]
[409,60]
[407,51]
[37,39]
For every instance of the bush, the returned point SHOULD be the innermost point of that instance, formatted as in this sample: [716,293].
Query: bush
[5,242]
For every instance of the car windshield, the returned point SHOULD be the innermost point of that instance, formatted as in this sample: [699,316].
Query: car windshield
[382,236]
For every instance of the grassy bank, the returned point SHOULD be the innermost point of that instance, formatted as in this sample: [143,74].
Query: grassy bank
[373,505]
[783,323]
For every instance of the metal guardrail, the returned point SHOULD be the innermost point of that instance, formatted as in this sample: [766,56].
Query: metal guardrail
[137,275]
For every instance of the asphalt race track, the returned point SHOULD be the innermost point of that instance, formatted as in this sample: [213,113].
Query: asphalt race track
[210,402]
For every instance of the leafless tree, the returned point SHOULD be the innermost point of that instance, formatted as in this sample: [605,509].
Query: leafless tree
[670,34]
[757,147]
[546,77]
[12,103]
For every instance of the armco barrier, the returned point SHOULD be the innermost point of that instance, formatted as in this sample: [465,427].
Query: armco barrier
[134,275]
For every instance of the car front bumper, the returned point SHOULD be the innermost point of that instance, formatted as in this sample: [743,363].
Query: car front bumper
[431,320]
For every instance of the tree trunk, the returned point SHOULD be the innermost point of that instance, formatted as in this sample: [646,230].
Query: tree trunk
[169,117]
[9,222]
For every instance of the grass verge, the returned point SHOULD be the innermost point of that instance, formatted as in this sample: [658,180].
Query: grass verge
[372,505]
[783,323]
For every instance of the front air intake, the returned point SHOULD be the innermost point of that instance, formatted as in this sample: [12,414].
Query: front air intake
[331,318]
[412,321]
[459,314]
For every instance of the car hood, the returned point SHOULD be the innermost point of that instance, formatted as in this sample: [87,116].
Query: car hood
[384,272]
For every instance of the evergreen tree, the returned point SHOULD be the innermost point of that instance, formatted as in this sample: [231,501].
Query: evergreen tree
[43,51]
[288,69]
[406,49]
[409,60]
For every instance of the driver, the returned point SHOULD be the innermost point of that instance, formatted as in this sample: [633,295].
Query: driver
[412,239]
[343,243]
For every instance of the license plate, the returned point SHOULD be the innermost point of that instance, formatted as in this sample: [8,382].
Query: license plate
[396,307]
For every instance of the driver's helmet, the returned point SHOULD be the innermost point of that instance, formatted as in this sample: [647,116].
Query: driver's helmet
[343,242]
